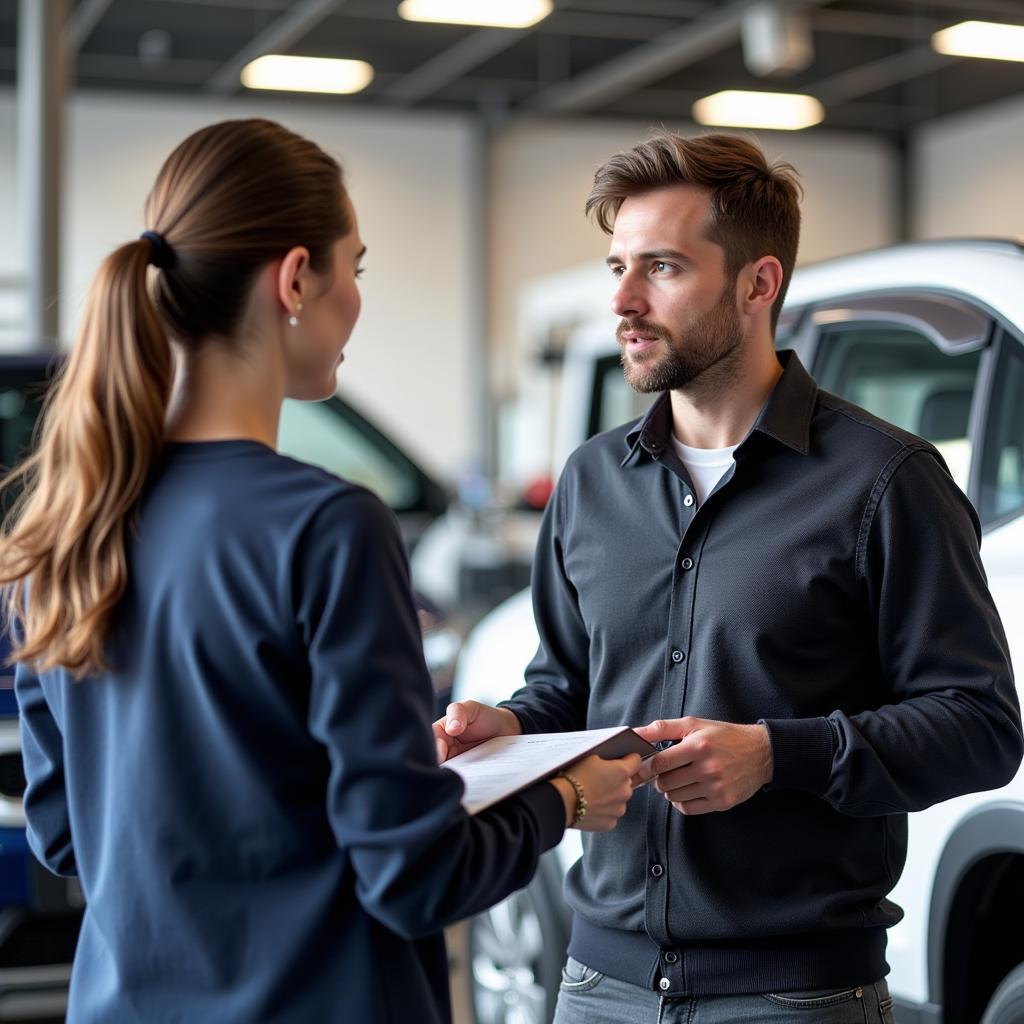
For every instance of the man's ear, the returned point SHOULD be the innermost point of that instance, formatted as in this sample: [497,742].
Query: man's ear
[762,281]
[293,279]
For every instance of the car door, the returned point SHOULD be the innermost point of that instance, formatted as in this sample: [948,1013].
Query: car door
[941,367]
[920,361]
[335,436]
[999,485]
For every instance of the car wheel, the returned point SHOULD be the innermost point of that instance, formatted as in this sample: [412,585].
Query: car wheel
[1007,1003]
[516,952]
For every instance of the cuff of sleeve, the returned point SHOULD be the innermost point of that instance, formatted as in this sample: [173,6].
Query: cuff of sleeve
[802,750]
[546,803]
[526,723]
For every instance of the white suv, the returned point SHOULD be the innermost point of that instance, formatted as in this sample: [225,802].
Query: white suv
[929,336]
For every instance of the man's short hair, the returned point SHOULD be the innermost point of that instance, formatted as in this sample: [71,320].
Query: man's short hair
[755,206]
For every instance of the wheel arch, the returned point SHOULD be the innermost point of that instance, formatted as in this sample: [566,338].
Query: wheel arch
[982,860]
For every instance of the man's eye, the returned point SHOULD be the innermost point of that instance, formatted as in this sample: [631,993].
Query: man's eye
[617,271]
[661,267]
[359,272]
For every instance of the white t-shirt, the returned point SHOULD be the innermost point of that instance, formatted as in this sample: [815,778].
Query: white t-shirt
[706,466]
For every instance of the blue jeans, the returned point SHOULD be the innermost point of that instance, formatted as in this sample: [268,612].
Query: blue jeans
[587,997]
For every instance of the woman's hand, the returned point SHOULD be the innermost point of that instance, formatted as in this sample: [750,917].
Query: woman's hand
[467,723]
[606,786]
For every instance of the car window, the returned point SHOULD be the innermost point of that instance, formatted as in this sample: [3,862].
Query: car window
[317,433]
[615,402]
[899,375]
[1002,473]
[21,397]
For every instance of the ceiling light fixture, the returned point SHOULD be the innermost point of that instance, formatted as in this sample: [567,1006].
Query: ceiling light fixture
[986,39]
[779,111]
[307,74]
[492,13]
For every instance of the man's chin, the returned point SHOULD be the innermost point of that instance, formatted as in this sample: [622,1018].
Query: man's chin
[643,381]
[642,373]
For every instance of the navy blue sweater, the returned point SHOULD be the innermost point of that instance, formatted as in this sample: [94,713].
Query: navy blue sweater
[251,797]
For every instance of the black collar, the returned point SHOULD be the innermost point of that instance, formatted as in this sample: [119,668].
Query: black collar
[786,416]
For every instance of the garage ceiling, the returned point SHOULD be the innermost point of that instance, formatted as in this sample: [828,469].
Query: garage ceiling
[873,67]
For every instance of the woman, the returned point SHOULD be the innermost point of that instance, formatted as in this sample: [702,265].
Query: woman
[225,708]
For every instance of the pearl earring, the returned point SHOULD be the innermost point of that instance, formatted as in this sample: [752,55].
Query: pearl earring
[294,319]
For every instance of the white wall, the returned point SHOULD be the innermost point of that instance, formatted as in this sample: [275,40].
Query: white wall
[11,306]
[968,171]
[407,360]
[541,173]
[409,357]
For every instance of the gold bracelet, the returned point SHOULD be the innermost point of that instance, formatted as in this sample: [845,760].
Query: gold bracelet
[581,800]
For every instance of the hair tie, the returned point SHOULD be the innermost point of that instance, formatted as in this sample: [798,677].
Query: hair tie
[161,255]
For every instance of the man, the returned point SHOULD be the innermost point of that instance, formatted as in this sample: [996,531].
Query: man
[791,589]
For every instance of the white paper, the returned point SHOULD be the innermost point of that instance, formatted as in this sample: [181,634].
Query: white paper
[506,764]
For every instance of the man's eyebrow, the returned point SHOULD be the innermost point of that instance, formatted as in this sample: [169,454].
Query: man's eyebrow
[361,253]
[653,254]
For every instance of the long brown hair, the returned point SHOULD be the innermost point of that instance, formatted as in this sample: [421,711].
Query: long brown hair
[755,205]
[231,198]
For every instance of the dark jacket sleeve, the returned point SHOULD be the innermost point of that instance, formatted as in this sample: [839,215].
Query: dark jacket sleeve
[557,688]
[420,861]
[45,801]
[953,723]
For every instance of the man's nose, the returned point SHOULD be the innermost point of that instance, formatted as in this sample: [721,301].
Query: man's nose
[628,301]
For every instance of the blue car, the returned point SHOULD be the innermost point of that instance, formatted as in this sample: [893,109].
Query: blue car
[40,913]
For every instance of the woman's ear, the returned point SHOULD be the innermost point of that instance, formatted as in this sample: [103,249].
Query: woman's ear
[293,279]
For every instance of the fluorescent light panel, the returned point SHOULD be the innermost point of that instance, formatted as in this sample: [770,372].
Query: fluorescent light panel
[307,74]
[494,13]
[781,111]
[986,39]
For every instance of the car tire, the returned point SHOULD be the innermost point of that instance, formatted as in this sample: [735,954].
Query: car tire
[516,951]
[1007,1003]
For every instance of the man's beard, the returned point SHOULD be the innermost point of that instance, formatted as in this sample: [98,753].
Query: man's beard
[709,340]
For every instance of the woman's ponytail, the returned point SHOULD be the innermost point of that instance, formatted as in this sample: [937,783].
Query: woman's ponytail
[102,429]
[231,198]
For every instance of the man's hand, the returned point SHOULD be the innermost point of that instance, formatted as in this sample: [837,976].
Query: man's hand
[467,723]
[714,766]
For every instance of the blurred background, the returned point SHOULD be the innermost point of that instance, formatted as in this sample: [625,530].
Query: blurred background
[470,131]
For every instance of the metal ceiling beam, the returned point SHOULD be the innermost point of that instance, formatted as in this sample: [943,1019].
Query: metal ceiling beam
[879,74]
[652,61]
[449,65]
[604,26]
[887,26]
[961,10]
[122,67]
[297,22]
[650,8]
[86,17]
